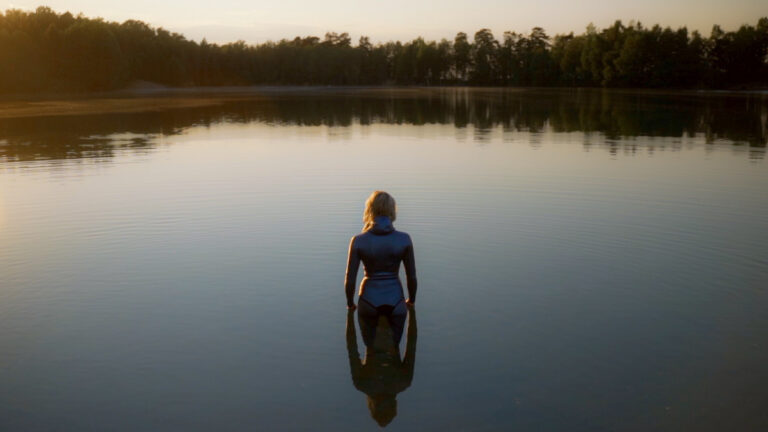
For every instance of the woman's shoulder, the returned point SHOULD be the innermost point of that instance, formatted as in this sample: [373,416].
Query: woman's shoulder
[402,234]
[395,233]
[361,235]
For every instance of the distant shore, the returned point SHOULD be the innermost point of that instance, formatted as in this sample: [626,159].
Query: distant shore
[146,97]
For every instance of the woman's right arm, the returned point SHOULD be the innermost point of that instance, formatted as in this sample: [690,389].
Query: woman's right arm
[410,272]
[353,263]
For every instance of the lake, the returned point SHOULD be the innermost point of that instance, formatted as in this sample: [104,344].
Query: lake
[588,260]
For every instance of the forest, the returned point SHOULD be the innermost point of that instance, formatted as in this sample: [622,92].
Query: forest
[46,51]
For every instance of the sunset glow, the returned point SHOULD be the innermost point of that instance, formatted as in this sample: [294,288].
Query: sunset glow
[230,20]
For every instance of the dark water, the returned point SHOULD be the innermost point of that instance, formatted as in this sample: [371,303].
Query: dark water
[588,261]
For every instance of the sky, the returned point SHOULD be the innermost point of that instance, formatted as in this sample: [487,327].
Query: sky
[256,21]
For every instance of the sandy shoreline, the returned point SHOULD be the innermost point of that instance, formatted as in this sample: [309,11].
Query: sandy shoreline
[160,99]
[47,108]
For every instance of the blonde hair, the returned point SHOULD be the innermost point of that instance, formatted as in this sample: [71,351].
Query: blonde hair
[379,203]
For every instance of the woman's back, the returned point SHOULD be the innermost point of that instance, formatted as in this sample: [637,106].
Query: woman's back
[382,248]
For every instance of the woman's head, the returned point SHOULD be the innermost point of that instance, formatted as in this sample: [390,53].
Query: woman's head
[379,203]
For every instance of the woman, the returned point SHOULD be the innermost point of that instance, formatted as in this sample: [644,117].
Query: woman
[381,248]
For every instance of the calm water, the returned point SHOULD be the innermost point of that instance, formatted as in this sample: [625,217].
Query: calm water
[588,261]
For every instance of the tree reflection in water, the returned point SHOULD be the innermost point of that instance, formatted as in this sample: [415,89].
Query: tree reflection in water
[616,115]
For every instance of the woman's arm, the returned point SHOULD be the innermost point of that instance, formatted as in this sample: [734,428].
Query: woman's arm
[410,272]
[353,263]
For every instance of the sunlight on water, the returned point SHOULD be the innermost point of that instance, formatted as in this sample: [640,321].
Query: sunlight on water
[2,213]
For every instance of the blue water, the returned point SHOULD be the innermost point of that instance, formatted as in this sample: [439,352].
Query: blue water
[587,261]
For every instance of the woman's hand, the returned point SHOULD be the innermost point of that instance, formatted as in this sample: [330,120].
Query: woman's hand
[410,303]
[351,307]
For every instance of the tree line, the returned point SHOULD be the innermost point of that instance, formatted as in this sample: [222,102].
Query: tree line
[44,51]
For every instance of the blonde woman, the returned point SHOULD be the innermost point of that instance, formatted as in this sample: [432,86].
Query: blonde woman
[381,248]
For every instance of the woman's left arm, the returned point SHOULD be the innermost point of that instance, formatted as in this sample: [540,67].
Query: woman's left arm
[353,263]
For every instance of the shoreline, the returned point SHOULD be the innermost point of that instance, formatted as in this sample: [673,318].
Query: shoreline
[157,98]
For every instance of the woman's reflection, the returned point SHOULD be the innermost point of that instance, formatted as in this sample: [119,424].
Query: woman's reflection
[383,374]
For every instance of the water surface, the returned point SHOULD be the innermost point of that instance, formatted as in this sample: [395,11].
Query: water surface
[588,260]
